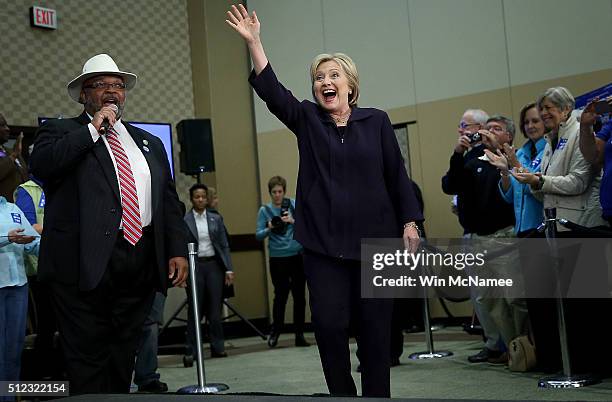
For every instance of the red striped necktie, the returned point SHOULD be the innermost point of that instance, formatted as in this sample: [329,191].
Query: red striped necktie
[132,225]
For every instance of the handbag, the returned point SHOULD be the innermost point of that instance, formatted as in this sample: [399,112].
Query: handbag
[521,354]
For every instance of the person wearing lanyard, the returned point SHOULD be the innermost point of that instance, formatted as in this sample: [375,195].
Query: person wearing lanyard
[17,238]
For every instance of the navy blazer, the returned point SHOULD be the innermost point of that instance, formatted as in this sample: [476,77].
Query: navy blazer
[217,233]
[83,205]
[347,190]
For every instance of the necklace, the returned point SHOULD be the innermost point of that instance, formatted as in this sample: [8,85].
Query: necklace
[342,119]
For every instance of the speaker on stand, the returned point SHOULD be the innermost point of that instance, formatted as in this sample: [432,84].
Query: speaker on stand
[197,153]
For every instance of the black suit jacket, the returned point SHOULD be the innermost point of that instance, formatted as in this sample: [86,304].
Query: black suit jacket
[83,206]
[217,232]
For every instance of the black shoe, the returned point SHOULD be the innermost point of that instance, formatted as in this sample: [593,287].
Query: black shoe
[395,362]
[273,339]
[218,354]
[484,355]
[154,387]
[301,341]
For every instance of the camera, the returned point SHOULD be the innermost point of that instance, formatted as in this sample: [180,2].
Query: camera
[278,226]
[603,107]
[473,137]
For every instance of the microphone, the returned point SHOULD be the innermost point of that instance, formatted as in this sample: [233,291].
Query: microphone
[105,123]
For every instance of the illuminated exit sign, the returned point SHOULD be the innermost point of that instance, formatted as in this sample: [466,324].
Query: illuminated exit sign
[43,17]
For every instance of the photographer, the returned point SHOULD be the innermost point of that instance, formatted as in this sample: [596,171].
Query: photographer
[275,220]
[469,146]
[485,216]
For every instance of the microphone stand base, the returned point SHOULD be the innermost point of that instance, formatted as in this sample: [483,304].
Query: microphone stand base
[207,389]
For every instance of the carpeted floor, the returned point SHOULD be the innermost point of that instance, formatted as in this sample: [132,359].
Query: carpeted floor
[286,370]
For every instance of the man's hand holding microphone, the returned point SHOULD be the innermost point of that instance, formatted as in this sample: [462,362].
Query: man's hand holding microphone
[105,118]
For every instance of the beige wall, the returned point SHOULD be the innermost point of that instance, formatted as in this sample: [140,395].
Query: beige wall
[157,40]
[420,60]
[222,94]
[429,60]
[147,37]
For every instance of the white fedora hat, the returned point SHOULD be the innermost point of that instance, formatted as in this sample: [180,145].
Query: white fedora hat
[101,64]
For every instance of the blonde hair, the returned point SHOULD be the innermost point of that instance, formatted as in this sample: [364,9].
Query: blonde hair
[348,67]
[211,193]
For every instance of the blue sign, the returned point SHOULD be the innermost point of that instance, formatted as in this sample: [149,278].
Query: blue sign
[41,203]
[561,143]
[535,164]
[16,217]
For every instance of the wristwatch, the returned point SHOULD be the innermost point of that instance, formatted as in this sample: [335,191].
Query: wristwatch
[540,182]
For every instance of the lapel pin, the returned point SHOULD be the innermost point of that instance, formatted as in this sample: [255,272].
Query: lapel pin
[145,142]
[145,148]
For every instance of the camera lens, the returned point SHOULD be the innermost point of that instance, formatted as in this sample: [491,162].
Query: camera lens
[277,221]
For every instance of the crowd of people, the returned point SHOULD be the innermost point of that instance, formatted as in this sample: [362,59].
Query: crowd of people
[503,192]
[104,187]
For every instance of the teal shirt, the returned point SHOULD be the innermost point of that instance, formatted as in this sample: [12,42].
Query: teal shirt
[12,268]
[528,211]
[279,245]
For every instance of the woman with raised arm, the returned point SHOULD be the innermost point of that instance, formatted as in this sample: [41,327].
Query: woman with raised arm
[351,185]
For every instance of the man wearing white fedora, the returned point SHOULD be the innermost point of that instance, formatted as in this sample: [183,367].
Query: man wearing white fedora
[114,232]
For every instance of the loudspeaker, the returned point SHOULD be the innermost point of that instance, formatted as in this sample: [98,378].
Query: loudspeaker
[197,154]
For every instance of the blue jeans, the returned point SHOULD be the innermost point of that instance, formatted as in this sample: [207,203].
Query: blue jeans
[145,370]
[13,315]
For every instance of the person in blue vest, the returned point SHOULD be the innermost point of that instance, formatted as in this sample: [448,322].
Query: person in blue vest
[275,221]
[17,237]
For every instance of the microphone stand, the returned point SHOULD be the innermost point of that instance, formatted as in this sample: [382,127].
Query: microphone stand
[201,387]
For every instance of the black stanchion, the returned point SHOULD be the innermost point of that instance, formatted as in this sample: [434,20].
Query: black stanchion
[201,387]
[566,379]
[430,353]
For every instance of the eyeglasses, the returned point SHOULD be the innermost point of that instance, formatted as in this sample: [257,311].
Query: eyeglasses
[119,86]
[496,129]
[463,125]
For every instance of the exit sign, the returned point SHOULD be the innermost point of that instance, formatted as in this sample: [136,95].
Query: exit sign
[43,17]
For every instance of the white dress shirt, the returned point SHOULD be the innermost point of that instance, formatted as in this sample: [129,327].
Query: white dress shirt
[205,246]
[140,167]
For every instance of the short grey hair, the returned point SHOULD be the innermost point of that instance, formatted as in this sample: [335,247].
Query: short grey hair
[561,97]
[506,121]
[479,115]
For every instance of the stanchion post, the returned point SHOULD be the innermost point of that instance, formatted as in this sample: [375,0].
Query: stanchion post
[567,379]
[430,353]
[201,387]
